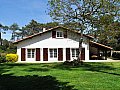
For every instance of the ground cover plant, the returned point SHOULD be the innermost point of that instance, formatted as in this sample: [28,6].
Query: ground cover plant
[56,76]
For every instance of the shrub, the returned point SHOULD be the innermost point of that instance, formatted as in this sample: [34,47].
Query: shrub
[116,55]
[2,59]
[67,63]
[11,57]
[75,62]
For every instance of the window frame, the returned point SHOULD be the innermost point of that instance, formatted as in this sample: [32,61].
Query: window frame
[31,53]
[58,35]
[53,53]
[75,54]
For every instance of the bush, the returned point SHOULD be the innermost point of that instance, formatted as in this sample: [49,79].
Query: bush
[2,59]
[116,55]
[11,57]
[67,63]
[75,62]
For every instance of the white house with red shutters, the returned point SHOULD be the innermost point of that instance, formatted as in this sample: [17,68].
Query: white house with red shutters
[59,44]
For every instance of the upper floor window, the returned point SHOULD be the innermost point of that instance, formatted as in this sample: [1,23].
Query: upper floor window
[59,34]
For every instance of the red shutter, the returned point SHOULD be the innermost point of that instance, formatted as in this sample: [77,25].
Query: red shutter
[60,54]
[65,34]
[53,34]
[45,54]
[67,53]
[23,58]
[37,54]
[83,54]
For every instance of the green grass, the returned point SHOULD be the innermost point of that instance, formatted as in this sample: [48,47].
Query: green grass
[56,76]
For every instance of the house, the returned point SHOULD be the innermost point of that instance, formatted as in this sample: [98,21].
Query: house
[59,44]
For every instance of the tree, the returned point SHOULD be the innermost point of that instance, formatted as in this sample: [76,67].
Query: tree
[23,32]
[50,25]
[33,27]
[109,33]
[14,27]
[2,30]
[86,13]
[5,44]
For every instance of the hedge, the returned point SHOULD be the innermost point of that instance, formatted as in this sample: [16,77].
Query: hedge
[2,59]
[116,55]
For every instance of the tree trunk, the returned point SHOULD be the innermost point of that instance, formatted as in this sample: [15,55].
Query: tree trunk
[80,48]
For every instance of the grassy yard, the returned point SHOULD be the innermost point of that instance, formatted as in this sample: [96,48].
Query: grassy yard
[56,76]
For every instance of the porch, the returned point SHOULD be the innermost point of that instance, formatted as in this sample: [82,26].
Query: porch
[99,51]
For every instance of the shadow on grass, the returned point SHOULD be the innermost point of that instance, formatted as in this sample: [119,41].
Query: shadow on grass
[100,67]
[35,82]
[38,69]
[62,66]
[8,82]
[95,67]
[5,67]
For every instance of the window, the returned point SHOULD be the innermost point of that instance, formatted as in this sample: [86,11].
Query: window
[59,34]
[30,53]
[53,53]
[75,52]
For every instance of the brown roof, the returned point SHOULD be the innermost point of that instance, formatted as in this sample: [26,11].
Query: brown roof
[91,37]
[101,45]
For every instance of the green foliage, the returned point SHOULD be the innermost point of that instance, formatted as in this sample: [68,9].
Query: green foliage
[5,44]
[2,59]
[32,27]
[75,62]
[116,55]
[7,47]
[109,34]
[14,27]
[87,13]
[12,57]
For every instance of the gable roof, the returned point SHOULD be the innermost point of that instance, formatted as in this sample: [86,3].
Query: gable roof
[88,36]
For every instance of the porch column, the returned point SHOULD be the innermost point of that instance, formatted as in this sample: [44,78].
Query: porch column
[105,54]
[98,53]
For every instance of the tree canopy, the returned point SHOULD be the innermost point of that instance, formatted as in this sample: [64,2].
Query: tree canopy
[87,13]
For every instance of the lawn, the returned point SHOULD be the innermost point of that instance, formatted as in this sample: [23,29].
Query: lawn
[56,76]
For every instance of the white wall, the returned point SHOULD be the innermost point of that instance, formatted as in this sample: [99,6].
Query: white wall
[46,41]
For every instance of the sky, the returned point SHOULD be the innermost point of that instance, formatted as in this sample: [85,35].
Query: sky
[22,12]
